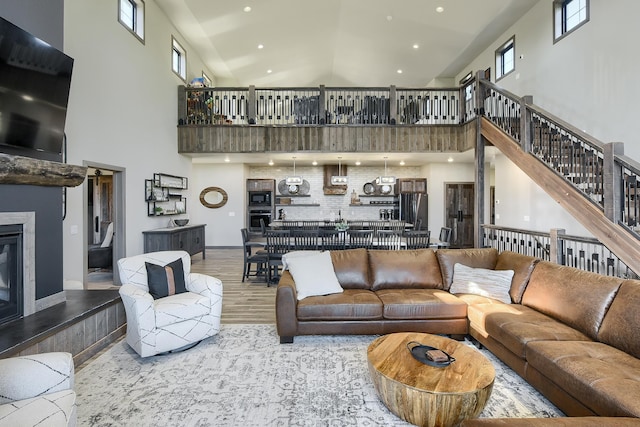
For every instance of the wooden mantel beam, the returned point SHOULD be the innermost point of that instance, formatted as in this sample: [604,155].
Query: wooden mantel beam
[29,171]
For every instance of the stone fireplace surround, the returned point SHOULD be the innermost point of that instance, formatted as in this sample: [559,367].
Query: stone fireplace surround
[28,222]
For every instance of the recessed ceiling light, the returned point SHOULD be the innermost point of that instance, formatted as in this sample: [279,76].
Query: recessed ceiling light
[260,46]
[226,160]
[416,46]
[314,163]
[401,162]
[247,9]
[270,162]
[439,9]
[269,71]
[358,163]
[399,71]
[450,159]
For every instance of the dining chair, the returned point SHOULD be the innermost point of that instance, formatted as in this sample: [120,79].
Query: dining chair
[377,225]
[331,240]
[278,244]
[259,257]
[309,225]
[305,240]
[417,239]
[263,227]
[444,239]
[289,225]
[388,239]
[355,224]
[397,225]
[360,238]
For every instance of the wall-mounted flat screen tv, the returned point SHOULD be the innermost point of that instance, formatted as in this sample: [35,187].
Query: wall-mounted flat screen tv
[35,79]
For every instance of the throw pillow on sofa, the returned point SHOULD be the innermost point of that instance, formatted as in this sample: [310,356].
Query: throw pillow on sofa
[295,254]
[314,275]
[481,281]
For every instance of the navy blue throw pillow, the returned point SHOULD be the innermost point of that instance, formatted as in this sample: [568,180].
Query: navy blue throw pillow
[165,280]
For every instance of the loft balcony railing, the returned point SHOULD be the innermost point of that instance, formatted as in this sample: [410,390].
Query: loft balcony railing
[600,172]
[583,253]
[325,106]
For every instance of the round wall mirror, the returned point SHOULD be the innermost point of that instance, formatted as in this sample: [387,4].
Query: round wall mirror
[213,197]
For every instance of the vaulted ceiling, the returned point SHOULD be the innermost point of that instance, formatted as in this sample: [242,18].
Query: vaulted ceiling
[340,43]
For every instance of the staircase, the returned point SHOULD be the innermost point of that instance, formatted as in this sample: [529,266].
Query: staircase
[591,180]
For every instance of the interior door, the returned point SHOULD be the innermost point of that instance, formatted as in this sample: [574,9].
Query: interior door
[459,213]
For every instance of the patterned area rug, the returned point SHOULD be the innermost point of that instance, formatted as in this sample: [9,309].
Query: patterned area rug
[244,377]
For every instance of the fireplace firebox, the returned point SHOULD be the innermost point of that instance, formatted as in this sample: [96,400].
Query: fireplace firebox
[11,280]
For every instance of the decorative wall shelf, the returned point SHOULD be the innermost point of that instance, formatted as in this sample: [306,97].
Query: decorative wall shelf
[163,194]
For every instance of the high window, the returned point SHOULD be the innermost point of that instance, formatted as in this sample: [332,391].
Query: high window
[568,15]
[506,58]
[207,81]
[131,16]
[178,59]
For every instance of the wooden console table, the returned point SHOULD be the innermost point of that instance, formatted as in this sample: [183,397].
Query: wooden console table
[188,238]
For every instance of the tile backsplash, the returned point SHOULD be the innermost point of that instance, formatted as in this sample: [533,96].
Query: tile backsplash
[332,205]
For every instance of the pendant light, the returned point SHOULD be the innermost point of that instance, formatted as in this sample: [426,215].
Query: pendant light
[339,179]
[385,179]
[294,179]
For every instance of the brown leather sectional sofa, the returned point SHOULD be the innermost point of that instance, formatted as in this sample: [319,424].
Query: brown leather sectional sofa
[573,335]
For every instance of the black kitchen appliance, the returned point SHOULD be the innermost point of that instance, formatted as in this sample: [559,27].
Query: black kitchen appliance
[413,206]
[260,198]
[255,215]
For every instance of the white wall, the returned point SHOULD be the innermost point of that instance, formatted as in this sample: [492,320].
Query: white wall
[224,223]
[122,112]
[438,174]
[586,79]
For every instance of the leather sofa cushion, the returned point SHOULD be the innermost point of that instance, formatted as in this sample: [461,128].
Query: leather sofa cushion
[522,266]
[417,304]
[552,422]
[352,304]
[514,326]
[577,298]
[410,269]
[352,268]
[621,325]
[476,258]
[603,378]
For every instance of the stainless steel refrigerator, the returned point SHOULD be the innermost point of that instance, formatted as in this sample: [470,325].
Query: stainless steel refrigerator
[413,206]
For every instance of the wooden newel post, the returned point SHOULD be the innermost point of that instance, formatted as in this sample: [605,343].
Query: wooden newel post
[525,123]
[556,250]
[612,177]
[393,106]
[251,107]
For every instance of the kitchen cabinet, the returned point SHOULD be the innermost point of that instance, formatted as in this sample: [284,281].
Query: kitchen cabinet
[261,185]
[411,185]
[189,238]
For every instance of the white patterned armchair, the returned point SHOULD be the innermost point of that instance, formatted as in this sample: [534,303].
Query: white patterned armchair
[37,390]
[160,325]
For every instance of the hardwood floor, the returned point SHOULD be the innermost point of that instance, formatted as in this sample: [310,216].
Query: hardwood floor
[248,302]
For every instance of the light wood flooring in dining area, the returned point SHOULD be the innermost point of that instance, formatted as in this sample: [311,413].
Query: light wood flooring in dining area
[248,302]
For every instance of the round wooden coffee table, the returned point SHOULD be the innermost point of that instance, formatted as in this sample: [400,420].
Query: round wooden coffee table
[425,395]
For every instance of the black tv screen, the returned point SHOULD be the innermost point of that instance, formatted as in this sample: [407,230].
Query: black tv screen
[35,79]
